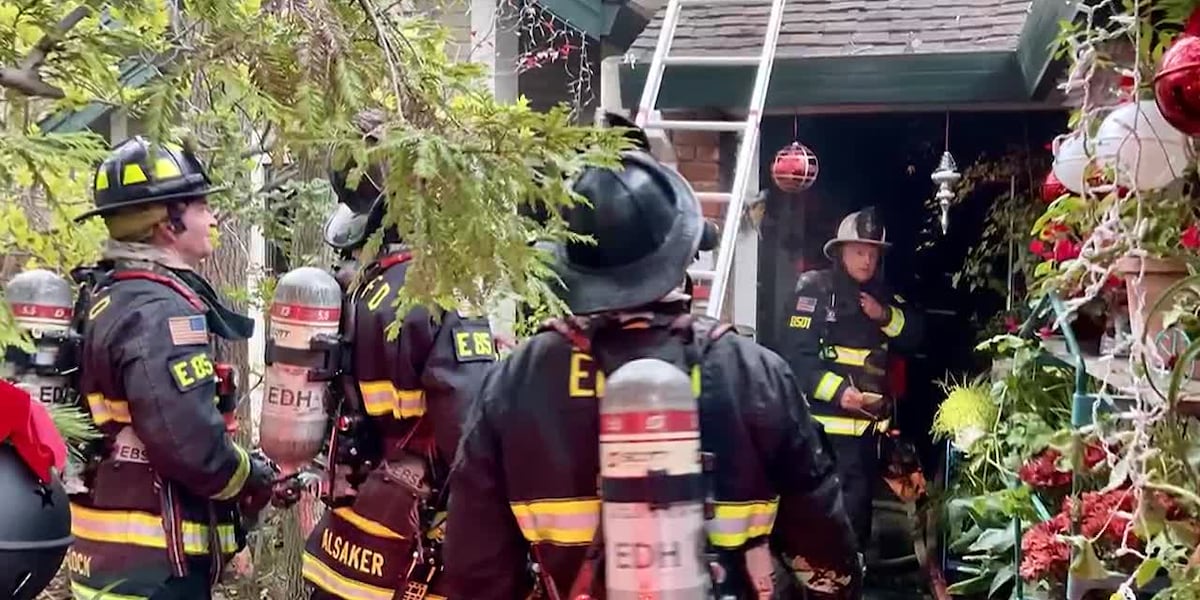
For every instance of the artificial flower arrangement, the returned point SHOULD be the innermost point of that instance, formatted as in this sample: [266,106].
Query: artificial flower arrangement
[1014,440]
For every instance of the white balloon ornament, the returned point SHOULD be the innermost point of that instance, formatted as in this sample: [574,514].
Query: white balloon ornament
[1143,150]
[1071,160]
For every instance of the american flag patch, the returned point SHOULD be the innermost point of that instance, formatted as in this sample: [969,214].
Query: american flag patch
[188,331]
[806,304]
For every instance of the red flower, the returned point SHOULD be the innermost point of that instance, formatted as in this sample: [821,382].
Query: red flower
[1113,282]
[1190,238]
[1099,516]
[1042,471]
[1174,511]
[1037,247]
[1065,249]
[1044,555]
[1011,324]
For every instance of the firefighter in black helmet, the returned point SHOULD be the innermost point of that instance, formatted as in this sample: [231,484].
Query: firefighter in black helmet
[837,338]
[399,413]
[168,488]
[525,486]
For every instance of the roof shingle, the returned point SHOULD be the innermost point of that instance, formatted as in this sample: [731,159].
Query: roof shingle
[843,27]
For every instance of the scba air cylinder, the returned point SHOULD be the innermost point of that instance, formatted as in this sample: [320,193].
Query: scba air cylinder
[306,306]
[42,306]
[651,484]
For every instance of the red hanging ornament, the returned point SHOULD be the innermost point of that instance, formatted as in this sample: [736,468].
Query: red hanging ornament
[1177,82]
[1052,188]
[795,168]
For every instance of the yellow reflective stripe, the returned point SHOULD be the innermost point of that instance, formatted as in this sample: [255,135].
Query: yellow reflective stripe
[238,479]
[382,397]
[563,522]
[895,325]
[882,426]
[735,523]
[101,181]
[135,528]
[320,575]
[843,425]
[105,410]
[83,592]
[854,357]
[132,174]
[378,396]
[165,168]
[696,380]
[827,387]
[366,525]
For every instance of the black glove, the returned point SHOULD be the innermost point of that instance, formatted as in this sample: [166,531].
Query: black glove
[256,492]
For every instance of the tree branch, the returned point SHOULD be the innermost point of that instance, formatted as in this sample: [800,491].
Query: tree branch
[25,77]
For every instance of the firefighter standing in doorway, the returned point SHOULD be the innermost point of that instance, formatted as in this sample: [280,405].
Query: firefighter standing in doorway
[843,325]
[525,484]
[168,487]
[398,422]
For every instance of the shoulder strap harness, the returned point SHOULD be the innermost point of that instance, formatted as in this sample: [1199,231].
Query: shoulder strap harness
[699,334]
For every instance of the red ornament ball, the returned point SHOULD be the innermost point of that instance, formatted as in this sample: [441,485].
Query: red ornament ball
[1177,82]
[795,168]
[1052,188]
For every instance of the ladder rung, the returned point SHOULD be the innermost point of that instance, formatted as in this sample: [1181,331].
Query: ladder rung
[731,126]
[714,196]
[711,61]
[702,273]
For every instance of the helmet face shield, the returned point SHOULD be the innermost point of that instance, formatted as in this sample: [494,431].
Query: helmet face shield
[346,228]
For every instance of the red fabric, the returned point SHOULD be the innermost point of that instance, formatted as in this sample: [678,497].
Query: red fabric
[188,294]
[27,426]
[897,376]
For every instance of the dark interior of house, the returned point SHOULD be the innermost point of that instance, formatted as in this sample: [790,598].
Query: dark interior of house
[886,161]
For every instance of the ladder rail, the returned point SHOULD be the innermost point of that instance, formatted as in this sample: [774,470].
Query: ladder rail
[745,165]
[666,37]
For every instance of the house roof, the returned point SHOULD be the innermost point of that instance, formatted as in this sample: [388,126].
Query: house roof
[814,28]
[836,53]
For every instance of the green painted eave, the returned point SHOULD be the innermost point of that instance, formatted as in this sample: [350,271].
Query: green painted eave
[1022,74]
[949,78]
[593,17]
[134,74]
[1036,46]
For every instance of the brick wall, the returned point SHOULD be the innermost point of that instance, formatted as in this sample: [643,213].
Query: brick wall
[698,157]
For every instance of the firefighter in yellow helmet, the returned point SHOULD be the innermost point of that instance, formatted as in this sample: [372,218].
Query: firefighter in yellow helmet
[168,488]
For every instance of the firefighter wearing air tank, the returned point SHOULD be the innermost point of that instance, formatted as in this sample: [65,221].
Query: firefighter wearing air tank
[168,487]
[701,439]
[841,326]
[397,422]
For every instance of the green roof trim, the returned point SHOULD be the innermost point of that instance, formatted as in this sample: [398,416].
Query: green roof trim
[995,76]
[134,74]
[594,17]
[950,78]
[1035,47]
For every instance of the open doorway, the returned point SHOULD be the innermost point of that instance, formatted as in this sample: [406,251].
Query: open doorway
[886,161]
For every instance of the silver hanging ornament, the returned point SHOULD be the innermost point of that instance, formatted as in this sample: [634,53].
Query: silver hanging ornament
[945,176]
